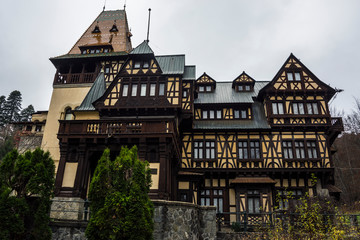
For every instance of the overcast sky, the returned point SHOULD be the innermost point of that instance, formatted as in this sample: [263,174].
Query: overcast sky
[222,38]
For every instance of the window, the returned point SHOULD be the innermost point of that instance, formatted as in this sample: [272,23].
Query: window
[208,88]
[92,51]
[298,108]
[201,89]
[287,149]
[240,88]
[287,196]
[106,50]
[240,114]
[291,76]
[37,128]
[146,65]
[218,114]
[311,149]
[206,150]
[212,197]
[68,114]
[249,149]
[253,201]
[143,90]
[247,88]
[161,89]
[205,114]
[312,108]
[97,50]
[107,69]
[152,89]
[134,90]
[211,114]
[300,149]
[185,93]
[278,108]
[137,65]
[125,90]
[198,150]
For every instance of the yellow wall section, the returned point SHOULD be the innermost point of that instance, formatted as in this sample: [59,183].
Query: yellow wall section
[155,177]
[61,98]
[88,115]
[69,174]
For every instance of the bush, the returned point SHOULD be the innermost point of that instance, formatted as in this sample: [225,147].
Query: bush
[26,187]
[120,205]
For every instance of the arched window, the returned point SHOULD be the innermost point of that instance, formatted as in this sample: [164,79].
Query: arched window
[68,114]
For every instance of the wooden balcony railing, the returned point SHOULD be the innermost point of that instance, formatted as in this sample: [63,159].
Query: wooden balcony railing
[73,78]
[111,127]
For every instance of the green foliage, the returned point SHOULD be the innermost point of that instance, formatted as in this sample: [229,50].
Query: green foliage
[26,189]
[12,107]
[5,147]
[25,114]
[120,205]
[312,218]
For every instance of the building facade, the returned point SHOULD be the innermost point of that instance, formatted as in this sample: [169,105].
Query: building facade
[234,144]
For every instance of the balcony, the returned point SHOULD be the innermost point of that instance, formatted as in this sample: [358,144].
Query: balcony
[74,78]
[108,128]
[335,129]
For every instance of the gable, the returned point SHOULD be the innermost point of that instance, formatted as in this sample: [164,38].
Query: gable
[294,77]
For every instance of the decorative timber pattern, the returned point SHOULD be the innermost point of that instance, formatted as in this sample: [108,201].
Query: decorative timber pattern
[173,90]
[308,150]
[111,69]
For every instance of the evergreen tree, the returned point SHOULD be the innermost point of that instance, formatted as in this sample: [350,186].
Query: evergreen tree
[25,114]
[26,189]
[120,205]
[12,107]
[2,115]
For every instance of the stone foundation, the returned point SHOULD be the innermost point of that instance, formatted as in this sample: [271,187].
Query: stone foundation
[172,220]
[64,208]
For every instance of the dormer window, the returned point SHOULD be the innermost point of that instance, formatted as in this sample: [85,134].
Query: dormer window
[293,76]
[243,83]
[96,29]
[205,84]
[137,65]
[114,28]
[146,65]
[244,88]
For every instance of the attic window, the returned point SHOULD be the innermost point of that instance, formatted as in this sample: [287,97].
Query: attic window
[206,88]
[114,28]
[243,88]
[96,29]
[137,65]
[293,76]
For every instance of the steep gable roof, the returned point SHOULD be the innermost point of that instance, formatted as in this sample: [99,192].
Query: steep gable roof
[95,92]
[308,82]
[142,48]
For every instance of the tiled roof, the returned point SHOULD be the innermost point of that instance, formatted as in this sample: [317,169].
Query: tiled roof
[109,54]
[172,64]
[258,121]
[119,41]
[95,92]
[143,48]
[224,93]
[189,73]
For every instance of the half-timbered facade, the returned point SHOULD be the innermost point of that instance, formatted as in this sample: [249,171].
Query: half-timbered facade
[234,144]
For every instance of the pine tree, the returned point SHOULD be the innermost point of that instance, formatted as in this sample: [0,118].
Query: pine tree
[12,107]
[25,114]
[2,115]
[120,205]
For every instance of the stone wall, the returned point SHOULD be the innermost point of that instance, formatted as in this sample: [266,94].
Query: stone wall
[172,220]
[180,220]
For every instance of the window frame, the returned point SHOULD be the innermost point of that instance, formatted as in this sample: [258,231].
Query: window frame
[204,150]
[300,149]
[248,152]
[277,104]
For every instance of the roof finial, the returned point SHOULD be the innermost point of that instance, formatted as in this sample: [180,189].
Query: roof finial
[124,5]
[104,5]
[147,39]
